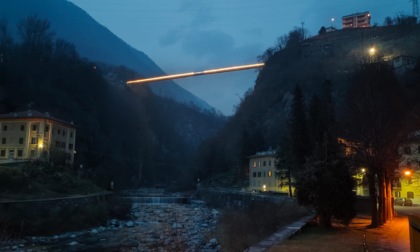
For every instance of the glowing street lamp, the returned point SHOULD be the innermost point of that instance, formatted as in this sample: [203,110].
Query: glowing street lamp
[407,173]
[372,51]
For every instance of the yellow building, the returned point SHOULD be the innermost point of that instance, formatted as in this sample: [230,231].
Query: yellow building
[407,185]
[262,173]
[32,135]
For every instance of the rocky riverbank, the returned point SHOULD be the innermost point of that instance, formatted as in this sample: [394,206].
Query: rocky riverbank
[152,227]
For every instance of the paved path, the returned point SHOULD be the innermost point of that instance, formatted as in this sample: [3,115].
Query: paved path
[392,237]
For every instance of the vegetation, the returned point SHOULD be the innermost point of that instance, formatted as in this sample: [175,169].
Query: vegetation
[265,114]
[127,135]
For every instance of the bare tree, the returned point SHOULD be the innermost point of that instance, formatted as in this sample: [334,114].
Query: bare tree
[36,36]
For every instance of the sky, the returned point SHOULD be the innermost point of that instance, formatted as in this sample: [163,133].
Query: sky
[195,35]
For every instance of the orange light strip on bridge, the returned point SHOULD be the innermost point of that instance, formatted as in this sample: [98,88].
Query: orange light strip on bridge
[190,74]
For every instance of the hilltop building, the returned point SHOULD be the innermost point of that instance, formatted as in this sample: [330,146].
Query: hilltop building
[32,135]
[262,173]
[356,20]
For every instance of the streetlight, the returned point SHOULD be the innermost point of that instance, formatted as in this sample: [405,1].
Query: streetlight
[372,51]
[332,22]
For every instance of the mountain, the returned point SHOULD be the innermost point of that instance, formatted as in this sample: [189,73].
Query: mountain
[262,117]
[93,41]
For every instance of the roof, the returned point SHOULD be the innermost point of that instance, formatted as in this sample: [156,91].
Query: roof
[356,14]
[263,154]
[34,115]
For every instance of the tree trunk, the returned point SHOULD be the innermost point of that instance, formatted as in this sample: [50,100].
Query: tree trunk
[289,180]
[374,208]
[381,199]
[390,206]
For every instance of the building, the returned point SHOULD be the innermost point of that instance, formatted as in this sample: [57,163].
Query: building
[262,173]
[32,135]
[407,182]
[402,63]
[356,20]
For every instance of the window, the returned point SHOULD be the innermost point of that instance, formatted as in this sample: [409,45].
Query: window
[264,163]
[269,162]
[3,140]
[270,174]
[34,127]
[407,150]
[410,195]
[259,163]
[47,128]
[33,140]
[255,164]
[64,132]
[259,174]
[71,134]
[63,145]
[57,144]
[264,174]
[58,131]
[32,153]
[4,127]
[70,146]
[2,153]
[397,194]
[21,140]
[20,153]
[254,174]
[22,127]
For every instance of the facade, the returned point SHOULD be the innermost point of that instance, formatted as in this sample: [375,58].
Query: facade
[407,183]
[262,173]
[356,20]
[32,135]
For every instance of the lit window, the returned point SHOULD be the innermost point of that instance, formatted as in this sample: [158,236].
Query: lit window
[259,163]
[270,173]
[255,164]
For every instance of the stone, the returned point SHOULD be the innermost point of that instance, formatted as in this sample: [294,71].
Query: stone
[94,231]
[130,224]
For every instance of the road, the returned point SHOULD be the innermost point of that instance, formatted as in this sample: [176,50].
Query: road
[407,210]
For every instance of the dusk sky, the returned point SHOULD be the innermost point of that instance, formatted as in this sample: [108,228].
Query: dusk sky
[195,35]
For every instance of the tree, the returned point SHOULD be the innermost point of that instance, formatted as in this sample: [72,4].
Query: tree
[294,149]
[388,21]
[326,182]
[6,39]
[36,37]
[322,31]
[376,110]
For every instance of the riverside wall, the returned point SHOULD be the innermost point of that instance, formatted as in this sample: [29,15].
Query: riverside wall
[226,198]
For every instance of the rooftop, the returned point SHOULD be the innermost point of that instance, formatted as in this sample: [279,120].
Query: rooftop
[34,115]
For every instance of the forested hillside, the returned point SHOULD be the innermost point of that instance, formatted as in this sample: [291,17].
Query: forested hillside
[128,135]
[262,119]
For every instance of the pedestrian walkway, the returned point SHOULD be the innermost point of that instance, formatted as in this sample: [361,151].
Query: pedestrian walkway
[392,237]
